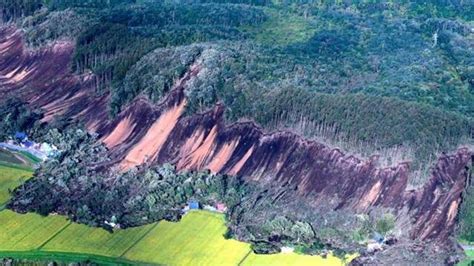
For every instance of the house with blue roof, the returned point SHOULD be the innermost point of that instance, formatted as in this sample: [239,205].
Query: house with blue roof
[193,205]
[21,136]
[28,144]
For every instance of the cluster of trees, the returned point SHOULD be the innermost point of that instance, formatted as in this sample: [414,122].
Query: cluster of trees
[73,184]
[108,50]
[154,75]
[13,9]
[466,213]
[369,119]
[64,4]
[126,33]
[16,115]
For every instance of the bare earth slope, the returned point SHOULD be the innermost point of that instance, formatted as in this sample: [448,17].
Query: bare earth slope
[144,134]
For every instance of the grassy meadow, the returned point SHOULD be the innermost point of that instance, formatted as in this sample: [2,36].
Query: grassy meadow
[196,240]
[10,178]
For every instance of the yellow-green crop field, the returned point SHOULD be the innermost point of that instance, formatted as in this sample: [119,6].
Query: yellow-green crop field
[196,240]
[10,178]
[27,231]
[79,238]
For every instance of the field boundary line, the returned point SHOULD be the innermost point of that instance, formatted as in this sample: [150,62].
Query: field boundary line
[138,240]
[54,235]
[244,258]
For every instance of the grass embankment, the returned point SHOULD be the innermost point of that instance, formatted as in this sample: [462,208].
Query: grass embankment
[285,259]
[8,157]
[14,159]
[196,240]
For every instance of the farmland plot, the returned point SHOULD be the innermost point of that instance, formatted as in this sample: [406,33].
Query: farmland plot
[196,240]
[10,178]
[79,238]
[27,231]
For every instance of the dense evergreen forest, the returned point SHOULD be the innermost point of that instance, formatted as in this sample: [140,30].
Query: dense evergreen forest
[389,77]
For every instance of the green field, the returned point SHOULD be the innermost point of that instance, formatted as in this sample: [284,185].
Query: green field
[80,238]
[8,157]
[28,231]
[196,240]
[9,179]
[18,159]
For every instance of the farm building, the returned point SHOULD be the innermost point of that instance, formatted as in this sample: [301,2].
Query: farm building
[218,207]
[377,237]
[210,208]
[21,136]
[28,144]
[221,207]
[193,205]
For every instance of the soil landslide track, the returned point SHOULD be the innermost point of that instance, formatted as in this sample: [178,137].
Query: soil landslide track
[144,133]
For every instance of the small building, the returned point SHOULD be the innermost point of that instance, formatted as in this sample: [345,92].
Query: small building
[185,209]
[221,207]
[373,246]
[28,144]
[193,205]
[287,250]
[210,208]
[112,224]
[49,150]
[378,237]
[21,136]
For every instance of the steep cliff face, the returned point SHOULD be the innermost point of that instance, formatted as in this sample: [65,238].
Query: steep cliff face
[148,134]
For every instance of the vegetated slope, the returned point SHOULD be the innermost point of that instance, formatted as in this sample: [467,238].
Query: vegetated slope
[202,75]
[322,177]
[10,178]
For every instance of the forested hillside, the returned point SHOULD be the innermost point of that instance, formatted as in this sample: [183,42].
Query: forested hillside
[385,89]
[257,51]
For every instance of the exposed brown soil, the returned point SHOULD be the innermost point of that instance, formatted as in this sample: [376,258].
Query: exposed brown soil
[121,132]
[150,145]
